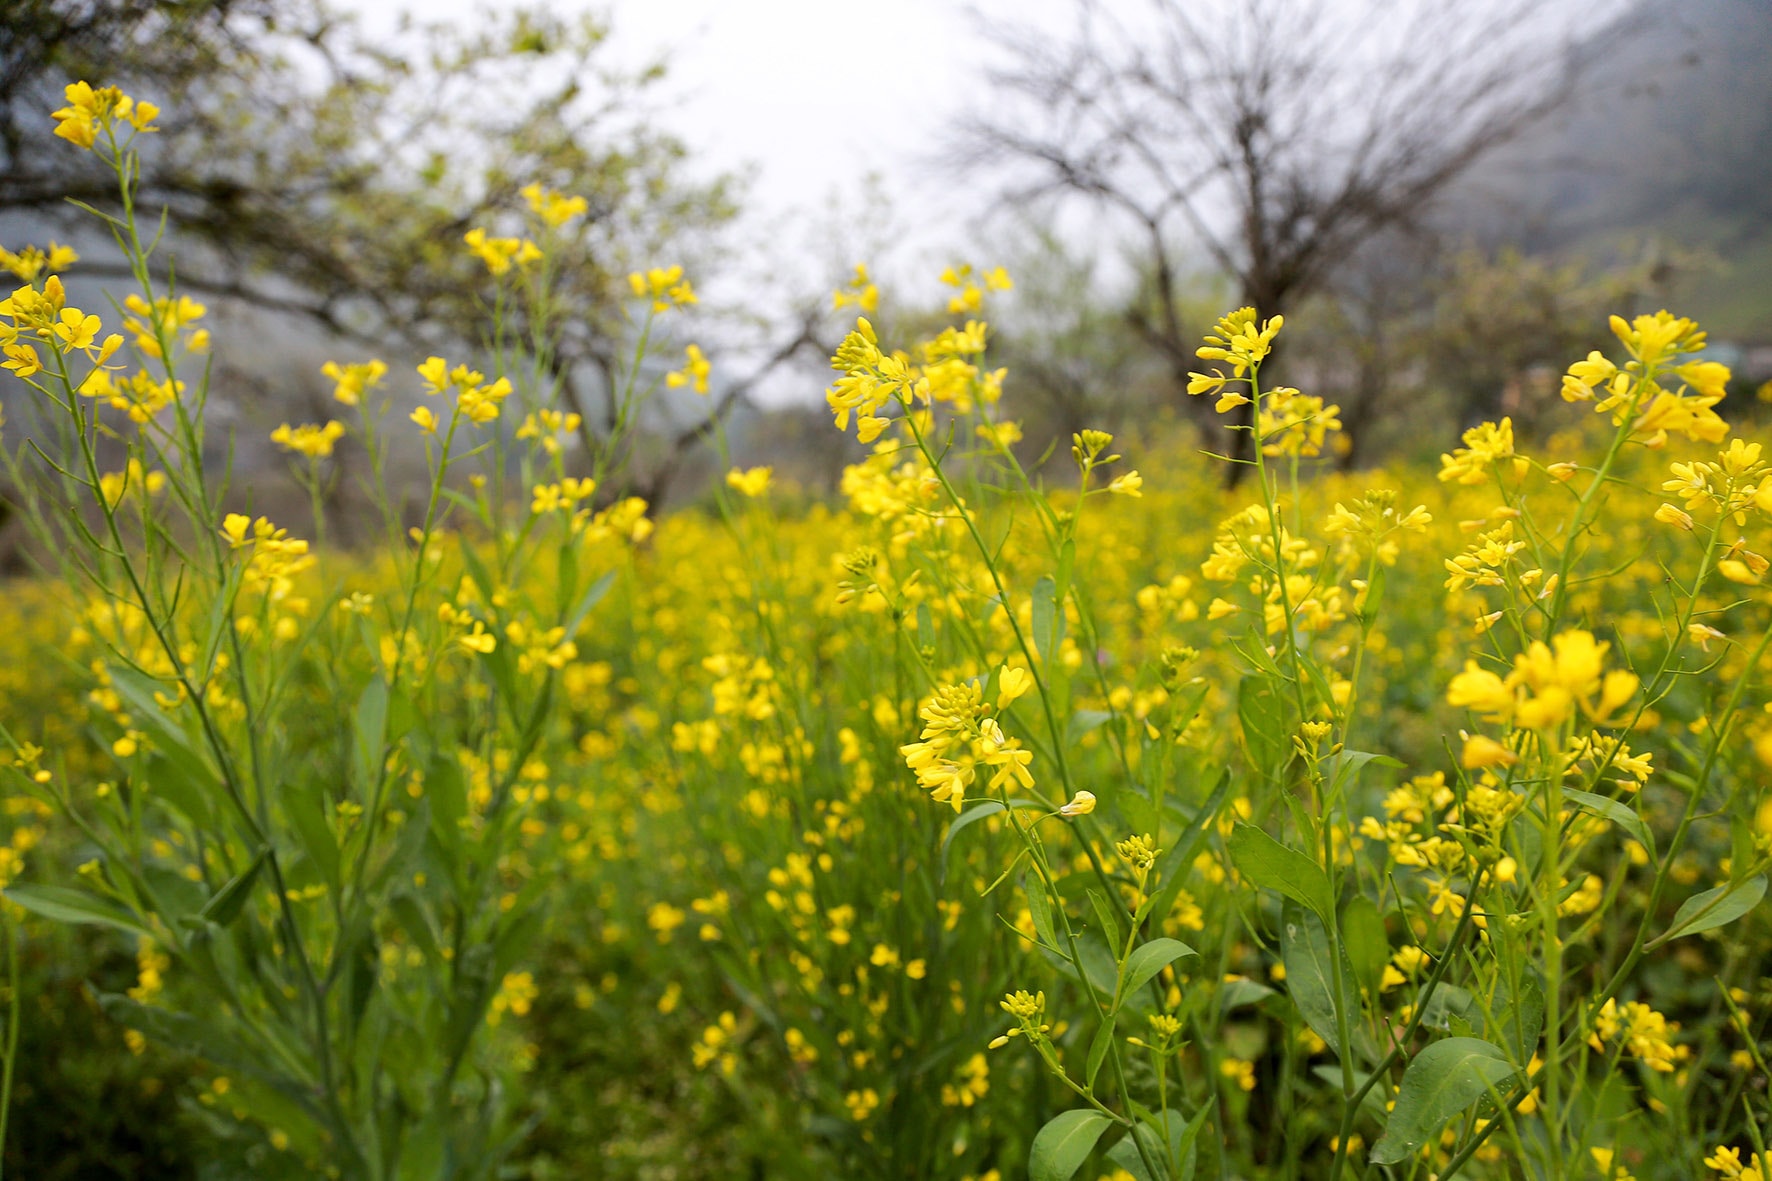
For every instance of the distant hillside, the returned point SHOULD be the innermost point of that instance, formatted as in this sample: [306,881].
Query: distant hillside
[1668,145]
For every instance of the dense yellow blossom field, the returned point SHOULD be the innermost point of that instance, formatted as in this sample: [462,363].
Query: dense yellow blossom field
[1000,818]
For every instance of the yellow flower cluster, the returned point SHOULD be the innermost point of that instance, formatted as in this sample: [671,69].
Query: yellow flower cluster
[970,286]
[1547,684]
[751,482]
[1727,1161]
[1643,1033]
[694,372]
[566,494]
[958,738]
[313,441]
[1634,394]
[91,112]
[46,317]
[30,262]
[1485,446]
[546,427]
[664,286]
[274,559]
[134,478]
[476,399]
[163,320]
[1291,423]
[352,381]
[500,254]
[870,379]
[555,209]
[861,293]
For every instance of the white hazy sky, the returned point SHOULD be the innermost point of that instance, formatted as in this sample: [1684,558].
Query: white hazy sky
[812,94]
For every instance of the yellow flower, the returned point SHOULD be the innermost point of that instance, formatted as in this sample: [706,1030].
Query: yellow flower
[1239,1071]
[234,527]
[22,359]
[1667,514]
[77,330]
[664,286]
[861,292]
[313,441]
[1481,752]
[91,110]
[1081,804]
[556,209]
[500,254]
[1478,689]
[694,372]
[862,1103]
[1484,445]
[1128,484]
[427,422]
[1237,340]
[435,373]
[665,919]
[1012,685]
[30,262]
[753,482]
[351,382]
[1736,570]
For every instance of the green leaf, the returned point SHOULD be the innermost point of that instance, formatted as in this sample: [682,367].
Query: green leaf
[1368,946]
[514,940]
[75,906]
[1067,564]
[1262,711]
[138,691]
[1182,1135]
[590,599]
[1616,812]
[1273,866]
[417,925]
[1111,931]
[1344,766]
[1450,1006]
[1375,1101]
[1442,1081]
[1742,851]
[972,816]
[1518,1020]
[1304,949]
[1064,1144]
[1148,959]
[1234,994]
[1098,1048]
[1179,861]
[214,1041]
[225,906]
[1098,965]
[307,816]
[1714,908]
[477,571]
[1082,722]
[1047,621]
[1040,907]
[371,733]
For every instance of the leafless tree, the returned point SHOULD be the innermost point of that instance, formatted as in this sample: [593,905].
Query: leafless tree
[1274,136]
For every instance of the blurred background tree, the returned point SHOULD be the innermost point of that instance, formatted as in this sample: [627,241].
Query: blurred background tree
[1403,170]
[312,171]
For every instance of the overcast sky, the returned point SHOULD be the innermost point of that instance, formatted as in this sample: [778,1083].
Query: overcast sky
[814,95]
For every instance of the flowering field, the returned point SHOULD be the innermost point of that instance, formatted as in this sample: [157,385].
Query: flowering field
[1001,819]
